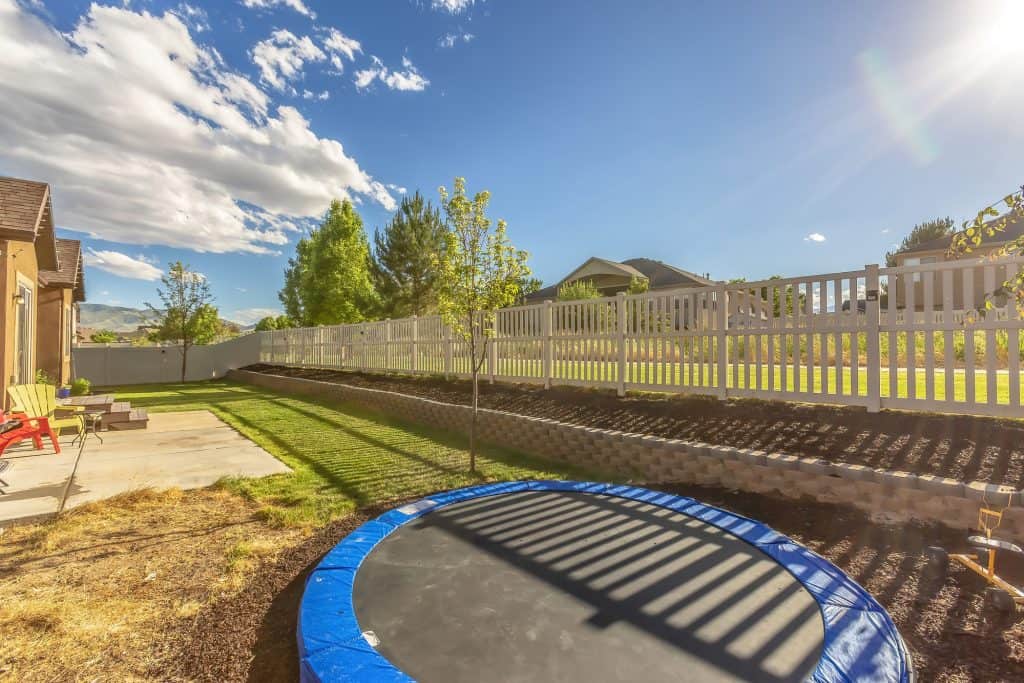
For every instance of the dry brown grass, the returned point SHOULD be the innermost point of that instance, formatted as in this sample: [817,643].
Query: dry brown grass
[101,593]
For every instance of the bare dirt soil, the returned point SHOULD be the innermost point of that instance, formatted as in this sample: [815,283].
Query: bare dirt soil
[961,447]
[250,636]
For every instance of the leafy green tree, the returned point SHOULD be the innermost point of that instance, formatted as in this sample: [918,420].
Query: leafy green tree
[580,289]
[103,337]
[328,281]
[403,263]
[270,322]
[479,271]
[987,225]
[527,286]
[187,315]
[637,285]
[921,233]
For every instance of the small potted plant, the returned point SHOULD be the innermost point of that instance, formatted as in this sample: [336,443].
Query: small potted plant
[64,391]
[81,387]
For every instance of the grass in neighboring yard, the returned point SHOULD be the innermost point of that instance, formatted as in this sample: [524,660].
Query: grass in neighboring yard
[342,455]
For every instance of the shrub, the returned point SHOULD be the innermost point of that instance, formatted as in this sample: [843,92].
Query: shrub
[103,337]
[43,378]
[80,387]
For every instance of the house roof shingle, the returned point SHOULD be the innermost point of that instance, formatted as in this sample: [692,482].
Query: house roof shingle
[70,273]
[659,275]
[26,215]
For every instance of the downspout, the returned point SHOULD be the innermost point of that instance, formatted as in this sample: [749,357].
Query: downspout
[5,313]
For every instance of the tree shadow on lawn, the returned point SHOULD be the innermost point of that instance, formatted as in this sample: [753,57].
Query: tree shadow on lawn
[191,396]
[323,448]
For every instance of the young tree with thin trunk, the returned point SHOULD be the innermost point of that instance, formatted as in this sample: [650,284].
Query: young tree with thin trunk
[479,271]
[187,316]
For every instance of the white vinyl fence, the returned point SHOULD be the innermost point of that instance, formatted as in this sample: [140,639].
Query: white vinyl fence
[820,338]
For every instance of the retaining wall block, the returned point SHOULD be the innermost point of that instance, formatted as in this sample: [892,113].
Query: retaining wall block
[940,486]
[994,494]
[854,472]
[780,461]
[816,466]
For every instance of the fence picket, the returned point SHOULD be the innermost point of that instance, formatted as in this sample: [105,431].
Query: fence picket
[785,338]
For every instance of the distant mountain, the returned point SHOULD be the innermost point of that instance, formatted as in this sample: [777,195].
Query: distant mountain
[114,318]
[118,318]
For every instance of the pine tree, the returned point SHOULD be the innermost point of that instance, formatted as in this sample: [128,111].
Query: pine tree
[405,252]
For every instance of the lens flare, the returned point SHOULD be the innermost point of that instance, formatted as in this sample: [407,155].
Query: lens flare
[905,124]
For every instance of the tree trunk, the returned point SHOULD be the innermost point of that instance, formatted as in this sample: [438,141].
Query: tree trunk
[472,424]
[184,362]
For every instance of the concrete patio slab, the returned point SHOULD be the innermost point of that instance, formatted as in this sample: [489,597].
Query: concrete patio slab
[185,450]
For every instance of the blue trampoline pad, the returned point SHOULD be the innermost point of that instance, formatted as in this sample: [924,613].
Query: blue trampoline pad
[570,581]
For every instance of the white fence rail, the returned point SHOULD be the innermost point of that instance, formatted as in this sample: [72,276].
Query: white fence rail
[877,337]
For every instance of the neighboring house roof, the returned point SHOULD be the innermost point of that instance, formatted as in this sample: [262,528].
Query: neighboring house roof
[1014,229]
[69,274]
[600,266]
[658,275]
[26,215]
[661,275]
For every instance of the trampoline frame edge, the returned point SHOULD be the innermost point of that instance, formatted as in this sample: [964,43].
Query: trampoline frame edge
[336,649]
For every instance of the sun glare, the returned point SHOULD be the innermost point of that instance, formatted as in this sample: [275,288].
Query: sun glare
[1004,27]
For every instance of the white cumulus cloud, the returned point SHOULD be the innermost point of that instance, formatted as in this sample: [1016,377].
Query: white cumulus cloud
[451,6]
[408,79]
[339,45]
[282,56]
[122,265]
[150,138]
[297,5]
[450,39]
[815,237]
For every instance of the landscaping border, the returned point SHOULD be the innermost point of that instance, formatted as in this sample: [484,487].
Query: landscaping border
[886,495]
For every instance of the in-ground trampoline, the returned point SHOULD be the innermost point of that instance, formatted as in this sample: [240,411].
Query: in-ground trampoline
[570,581]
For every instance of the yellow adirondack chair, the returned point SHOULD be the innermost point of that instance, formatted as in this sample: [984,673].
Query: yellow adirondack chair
[40,400]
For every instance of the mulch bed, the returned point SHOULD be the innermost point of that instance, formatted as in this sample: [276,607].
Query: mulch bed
[252,636]
[961,447]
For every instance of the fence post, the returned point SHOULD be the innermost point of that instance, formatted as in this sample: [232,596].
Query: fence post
[415,352]
[722,315]
[448,352]
[874,359]
[547,352]
[492,349]
[620,312]
[387,345]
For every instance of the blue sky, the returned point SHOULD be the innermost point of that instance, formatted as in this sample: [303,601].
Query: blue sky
[740,139]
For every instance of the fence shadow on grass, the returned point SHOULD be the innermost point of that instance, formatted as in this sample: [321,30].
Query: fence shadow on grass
[718,603]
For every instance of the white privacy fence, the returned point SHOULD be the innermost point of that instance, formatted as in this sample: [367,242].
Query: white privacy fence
[877,337]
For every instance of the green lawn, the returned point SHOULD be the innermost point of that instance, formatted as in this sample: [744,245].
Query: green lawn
[677,374]
[342,456]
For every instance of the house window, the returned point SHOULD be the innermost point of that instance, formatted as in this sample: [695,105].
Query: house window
[24,335]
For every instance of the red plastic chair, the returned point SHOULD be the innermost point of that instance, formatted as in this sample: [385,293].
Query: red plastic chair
[34,428]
